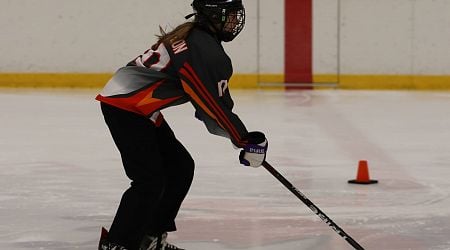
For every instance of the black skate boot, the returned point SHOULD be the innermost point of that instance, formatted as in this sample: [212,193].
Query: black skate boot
[104,244]
[157,243]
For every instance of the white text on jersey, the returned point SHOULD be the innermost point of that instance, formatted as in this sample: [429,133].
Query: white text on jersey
[179,46]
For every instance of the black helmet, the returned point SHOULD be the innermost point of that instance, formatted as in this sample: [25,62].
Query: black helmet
[227,17]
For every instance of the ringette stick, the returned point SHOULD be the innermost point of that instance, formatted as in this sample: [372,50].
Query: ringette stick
[311,205]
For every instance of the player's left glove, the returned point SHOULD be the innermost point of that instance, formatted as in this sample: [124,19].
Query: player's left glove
[254,152]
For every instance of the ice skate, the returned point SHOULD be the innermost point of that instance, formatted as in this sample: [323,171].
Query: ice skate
[104,244]
[157,243]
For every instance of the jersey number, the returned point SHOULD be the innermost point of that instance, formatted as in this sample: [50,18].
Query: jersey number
[222,86]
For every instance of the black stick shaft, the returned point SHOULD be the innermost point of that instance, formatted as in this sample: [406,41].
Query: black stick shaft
[311,205]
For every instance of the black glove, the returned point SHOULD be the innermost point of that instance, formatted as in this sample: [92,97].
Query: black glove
[254,152]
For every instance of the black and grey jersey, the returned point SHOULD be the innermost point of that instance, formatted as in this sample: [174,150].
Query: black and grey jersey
[195,70]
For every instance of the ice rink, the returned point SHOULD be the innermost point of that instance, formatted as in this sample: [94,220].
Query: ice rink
[61,176]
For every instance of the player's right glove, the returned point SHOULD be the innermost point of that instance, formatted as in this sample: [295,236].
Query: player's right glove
[254,152]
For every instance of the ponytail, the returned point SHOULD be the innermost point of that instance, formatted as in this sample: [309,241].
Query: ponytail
[181,32]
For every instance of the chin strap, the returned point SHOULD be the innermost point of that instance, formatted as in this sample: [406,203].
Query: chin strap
[190,15]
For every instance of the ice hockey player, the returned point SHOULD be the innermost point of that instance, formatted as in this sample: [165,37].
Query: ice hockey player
[187,64]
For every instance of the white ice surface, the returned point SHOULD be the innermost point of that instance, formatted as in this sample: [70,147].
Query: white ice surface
[61,176]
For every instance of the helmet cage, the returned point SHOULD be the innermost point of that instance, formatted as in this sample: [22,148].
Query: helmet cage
[233,25]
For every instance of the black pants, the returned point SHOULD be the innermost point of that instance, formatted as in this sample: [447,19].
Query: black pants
[161,172]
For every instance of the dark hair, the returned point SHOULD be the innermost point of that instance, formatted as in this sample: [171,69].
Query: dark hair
[181,32]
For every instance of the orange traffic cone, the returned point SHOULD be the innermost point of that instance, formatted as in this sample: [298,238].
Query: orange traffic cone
[363,174]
